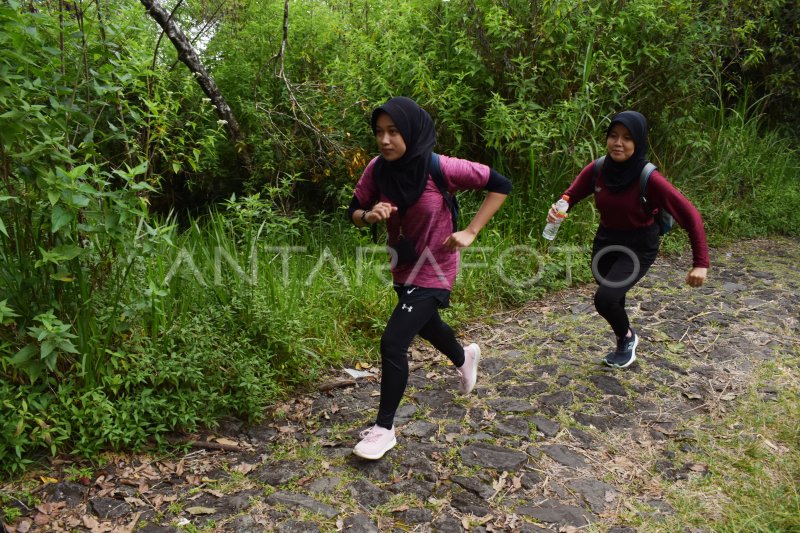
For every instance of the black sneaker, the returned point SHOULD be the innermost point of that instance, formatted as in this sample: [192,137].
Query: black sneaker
[625,353]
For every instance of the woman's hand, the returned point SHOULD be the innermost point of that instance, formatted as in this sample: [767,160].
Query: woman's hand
[552,215]
[380,211]
[696,276]
[459,239]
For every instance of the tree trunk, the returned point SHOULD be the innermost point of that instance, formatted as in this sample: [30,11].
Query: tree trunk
[188,56]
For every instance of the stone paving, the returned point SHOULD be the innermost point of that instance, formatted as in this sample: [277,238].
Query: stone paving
[550,440]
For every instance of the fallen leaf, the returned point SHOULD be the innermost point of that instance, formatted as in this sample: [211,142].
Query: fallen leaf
[48,480]
[90,521]
[500,483]
[194,511]
[217,493]
[135,501]
[132,524]
[400,509]
[227,442]
[157,500]
[105,492]
[728,397]
[692,395]
[41,519]
[243,468]
[676,347]
[699,468]
[304,480]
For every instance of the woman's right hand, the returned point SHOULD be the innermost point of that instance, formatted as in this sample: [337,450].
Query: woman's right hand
[552,215]
[380,211]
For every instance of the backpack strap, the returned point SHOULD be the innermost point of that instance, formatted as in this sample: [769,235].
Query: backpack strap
[644,178]
[596,168]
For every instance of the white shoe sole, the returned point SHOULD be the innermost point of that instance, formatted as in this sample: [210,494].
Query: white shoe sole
[475,377]
[375,456]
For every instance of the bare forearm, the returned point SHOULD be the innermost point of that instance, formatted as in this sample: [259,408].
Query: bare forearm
[488,208]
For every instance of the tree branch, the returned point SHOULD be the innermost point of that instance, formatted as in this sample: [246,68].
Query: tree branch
[189,57]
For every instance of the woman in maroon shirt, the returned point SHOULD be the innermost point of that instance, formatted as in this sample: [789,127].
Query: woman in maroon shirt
[627,240]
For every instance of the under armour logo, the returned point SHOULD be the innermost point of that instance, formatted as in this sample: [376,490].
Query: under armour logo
[598,189]
[407,307]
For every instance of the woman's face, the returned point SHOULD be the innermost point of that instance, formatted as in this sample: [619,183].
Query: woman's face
[390,142]
[620,143]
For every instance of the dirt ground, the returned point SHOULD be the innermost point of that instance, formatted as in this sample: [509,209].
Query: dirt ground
[550,440]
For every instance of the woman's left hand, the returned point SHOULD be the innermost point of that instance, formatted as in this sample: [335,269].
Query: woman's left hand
[458,240]
[696,276]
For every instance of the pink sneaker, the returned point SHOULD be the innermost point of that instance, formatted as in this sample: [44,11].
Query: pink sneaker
[375,442]
[469,370]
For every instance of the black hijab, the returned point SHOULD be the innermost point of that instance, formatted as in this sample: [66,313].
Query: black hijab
[618,176]
[404,179]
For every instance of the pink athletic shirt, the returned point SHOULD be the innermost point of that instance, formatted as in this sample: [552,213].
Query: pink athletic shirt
[428,222]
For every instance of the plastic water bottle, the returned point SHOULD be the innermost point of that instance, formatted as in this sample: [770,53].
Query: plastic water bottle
[551,228]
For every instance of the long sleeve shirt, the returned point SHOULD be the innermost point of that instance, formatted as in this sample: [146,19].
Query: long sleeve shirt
[623,210]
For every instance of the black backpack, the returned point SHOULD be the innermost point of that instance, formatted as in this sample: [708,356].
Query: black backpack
[663,218]
[441,184]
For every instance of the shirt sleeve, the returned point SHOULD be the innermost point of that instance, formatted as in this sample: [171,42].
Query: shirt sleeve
[462,174]
[662,194]
[498,183]
[581,186]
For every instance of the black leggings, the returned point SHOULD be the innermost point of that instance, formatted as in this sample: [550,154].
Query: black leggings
[619,260]
[417,312]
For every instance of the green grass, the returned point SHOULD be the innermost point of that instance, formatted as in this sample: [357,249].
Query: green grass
[753,458]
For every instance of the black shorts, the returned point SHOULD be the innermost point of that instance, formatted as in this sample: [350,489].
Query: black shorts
[408,294]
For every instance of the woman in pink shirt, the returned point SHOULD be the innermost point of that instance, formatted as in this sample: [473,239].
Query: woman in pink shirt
[627,240]
[398,188]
